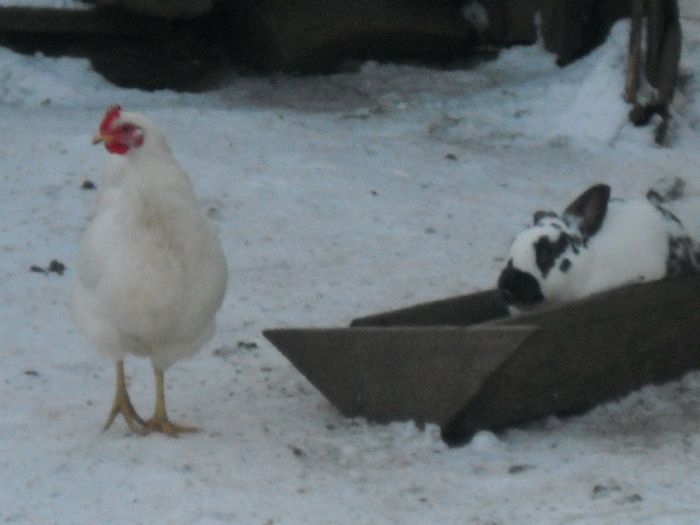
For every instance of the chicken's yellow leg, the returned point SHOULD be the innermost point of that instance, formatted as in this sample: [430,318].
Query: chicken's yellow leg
[122,405]
[159,422]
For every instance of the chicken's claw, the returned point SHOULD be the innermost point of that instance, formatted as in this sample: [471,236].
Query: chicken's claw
[122,405]
[167,427]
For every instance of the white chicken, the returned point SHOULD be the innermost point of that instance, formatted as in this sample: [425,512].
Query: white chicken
[151,273]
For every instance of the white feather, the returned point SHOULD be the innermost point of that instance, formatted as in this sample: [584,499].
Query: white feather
[151,273]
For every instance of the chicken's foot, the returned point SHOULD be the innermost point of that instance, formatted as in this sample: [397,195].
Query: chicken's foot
[122,405]
[160,422]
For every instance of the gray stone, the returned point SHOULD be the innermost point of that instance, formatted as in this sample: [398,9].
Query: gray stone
[171,9]
[316,35]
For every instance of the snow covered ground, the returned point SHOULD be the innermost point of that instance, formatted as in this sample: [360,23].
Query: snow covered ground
[335,197]
[61,4]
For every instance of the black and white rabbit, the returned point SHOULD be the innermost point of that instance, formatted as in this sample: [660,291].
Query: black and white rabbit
[595,245]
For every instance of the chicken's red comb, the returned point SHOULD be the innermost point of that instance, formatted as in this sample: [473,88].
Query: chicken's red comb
[111,115]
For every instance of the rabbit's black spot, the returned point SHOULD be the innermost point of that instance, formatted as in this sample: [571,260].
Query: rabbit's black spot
[547,252]
[682,259]
[565,265]
[539,215]
[518,287]
[544,255]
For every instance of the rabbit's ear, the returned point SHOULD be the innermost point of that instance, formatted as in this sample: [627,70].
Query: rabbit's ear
[587,212]
[541,214]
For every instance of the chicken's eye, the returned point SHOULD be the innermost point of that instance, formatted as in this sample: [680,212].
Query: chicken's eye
[126,128]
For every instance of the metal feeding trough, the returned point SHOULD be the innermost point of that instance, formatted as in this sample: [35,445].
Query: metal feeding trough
[467,365]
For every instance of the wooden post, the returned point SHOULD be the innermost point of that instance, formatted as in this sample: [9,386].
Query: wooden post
[634,51]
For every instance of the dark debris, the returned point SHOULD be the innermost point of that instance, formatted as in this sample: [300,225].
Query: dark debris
[54,266]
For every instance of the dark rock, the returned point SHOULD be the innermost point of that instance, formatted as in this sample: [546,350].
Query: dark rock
[572,28]
[517,469]
[128,49]
[170,48]
[317,35]
[510,21]
[170,9]
[603,491]
[56,267]
[186,58]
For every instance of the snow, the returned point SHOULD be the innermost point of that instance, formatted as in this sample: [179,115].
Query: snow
[335,197]
[52,4]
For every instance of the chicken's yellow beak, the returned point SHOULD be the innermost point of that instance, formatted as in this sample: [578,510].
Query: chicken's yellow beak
[101,137]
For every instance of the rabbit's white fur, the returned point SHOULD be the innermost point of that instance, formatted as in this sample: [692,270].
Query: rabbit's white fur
[633,241]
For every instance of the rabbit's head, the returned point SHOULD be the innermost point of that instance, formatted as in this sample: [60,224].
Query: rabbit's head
[542,258]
